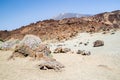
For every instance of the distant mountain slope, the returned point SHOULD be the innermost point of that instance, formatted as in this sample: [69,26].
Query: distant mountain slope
[69,15]
[66,28]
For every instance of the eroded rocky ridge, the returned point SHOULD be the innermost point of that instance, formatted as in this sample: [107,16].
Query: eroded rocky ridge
[66,28]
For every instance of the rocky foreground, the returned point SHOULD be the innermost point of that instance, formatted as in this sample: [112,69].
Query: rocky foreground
[84,48]
[101,64]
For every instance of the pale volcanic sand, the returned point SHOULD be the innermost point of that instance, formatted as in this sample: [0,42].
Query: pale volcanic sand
[102,64]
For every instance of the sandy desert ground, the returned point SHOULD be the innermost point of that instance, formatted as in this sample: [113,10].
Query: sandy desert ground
[102,64]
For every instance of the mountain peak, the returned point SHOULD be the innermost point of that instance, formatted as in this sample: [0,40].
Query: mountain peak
[69,15]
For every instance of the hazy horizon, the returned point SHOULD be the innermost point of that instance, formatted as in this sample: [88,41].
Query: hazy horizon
[17,13]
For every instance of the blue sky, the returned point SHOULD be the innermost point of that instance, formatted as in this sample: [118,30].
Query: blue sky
[17,13]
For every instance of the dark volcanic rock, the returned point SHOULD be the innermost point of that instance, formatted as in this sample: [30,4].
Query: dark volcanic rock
[98,43]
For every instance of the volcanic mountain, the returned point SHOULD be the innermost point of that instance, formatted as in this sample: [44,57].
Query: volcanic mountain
[66,28]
